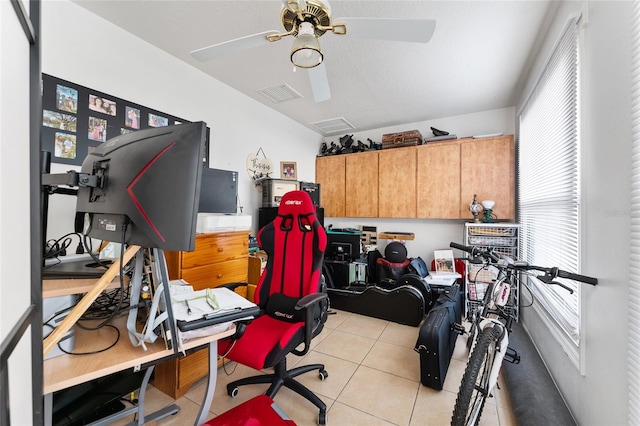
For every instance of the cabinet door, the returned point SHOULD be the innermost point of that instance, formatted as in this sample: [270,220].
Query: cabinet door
[397,183]
[361,172]
[330,174]
[438,180]
[487,169]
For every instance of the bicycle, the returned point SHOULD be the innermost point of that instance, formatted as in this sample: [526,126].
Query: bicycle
[490,327]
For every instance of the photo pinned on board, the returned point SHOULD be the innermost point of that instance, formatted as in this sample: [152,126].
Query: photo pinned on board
[58,120]
[97,129]
[102,105]
[132,117]
[65,145]
[158,121]
[66,99]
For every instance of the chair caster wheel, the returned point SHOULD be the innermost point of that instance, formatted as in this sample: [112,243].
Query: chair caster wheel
[233,392]
[322,419]
[323,375]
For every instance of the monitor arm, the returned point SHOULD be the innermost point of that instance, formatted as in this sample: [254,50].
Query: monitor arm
[70,178]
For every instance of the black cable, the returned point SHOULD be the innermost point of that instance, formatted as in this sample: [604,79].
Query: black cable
[58,249]
[99,350]
[59,344]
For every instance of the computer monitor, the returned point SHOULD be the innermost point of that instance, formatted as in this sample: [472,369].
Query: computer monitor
[218,191]
[343,245]
[146,187]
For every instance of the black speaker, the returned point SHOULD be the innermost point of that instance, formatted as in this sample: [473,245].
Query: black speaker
[267,214]
[395,252]
[313,189]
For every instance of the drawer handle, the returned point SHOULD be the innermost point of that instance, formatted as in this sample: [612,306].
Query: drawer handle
[220,249]
[219,275]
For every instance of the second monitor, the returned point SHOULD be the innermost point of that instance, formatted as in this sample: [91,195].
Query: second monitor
[343,245]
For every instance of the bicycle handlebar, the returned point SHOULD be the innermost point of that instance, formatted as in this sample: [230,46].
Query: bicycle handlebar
[549,273]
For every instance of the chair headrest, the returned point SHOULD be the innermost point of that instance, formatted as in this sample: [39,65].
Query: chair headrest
[296,203]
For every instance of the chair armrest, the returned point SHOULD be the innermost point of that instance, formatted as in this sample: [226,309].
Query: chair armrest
[310,299]
[308,303]
[233,286]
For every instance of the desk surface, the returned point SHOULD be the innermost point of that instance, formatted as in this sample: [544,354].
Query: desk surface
[69,370]
[63,286]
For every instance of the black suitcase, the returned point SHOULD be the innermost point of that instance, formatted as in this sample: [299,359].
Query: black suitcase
[437,337]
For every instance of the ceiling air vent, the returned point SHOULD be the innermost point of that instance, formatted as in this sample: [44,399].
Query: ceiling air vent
[280,93]
[333,126]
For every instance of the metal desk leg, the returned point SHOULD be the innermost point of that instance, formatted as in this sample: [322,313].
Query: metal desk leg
[162,413]
[48,409]
[211,383]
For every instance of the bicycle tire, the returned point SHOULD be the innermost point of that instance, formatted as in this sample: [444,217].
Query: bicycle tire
[473,387]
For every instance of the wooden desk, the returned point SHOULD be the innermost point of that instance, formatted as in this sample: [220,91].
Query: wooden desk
[64,371]
[66,286]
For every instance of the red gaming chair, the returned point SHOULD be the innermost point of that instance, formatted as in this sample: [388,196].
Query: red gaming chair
[292,297]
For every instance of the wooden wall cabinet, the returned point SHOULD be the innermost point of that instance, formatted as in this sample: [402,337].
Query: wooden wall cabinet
[438,178]
[361,180]
[432,181]
[397,183]
[330,174]
[218,258]
[487,169]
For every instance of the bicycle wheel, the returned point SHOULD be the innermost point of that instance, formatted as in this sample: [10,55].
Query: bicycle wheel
[474,386]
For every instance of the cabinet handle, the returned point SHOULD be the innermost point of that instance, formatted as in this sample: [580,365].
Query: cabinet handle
[220,249]
[219,275]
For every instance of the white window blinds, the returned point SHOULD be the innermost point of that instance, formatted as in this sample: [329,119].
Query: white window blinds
[634,279]
[548,180]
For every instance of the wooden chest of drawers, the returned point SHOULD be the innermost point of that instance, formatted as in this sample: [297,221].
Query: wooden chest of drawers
[218,258]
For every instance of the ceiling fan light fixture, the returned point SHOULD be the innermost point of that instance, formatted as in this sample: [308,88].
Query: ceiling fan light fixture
[306,52]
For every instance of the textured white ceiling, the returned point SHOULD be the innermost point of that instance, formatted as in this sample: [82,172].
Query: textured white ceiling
[474,62]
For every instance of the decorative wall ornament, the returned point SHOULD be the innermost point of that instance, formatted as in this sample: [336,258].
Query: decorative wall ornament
[259,167]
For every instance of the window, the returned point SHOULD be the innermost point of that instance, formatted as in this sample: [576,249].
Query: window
[549,185]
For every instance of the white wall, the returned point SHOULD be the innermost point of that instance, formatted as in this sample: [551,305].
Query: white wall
[430,234]
[600,396]
[129,68]
[15,280]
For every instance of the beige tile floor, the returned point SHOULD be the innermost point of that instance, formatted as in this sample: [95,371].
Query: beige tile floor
[374,379]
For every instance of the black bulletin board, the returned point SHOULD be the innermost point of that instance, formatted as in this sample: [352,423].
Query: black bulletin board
[76,119]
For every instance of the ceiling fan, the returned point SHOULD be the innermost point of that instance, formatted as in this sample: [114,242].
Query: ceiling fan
[307,21]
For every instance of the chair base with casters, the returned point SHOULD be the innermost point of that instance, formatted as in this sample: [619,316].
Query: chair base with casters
[283,377]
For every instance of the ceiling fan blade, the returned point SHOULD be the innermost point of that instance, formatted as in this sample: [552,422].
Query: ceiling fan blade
[287,4]
[413,30]
[232,46]
[319,83]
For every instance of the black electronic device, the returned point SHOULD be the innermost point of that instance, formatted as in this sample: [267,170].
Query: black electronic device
[395,252]
[144,187]
[343,245]
[218,191]
[313,189]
